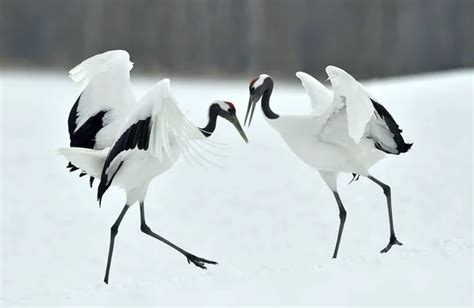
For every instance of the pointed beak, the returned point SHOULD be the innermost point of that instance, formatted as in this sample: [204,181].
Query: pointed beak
[234,120]
[250,110]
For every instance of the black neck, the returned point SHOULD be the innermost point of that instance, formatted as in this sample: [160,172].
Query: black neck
[267,111]
[211,124]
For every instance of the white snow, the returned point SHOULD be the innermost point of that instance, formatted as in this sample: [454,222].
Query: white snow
[266,217]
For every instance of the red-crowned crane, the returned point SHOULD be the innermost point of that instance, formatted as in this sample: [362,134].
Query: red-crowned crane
[126,143]
[348,131]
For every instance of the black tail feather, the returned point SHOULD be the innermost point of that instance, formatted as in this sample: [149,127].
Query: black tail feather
[402,146]
[105,183]
[355,177]
[73,168]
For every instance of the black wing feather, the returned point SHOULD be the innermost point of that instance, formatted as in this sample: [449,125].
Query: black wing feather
[84,137]
[71,121]
[402,146]
[136,136]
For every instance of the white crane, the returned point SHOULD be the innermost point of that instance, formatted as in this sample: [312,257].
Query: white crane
[127,144]
[347,131]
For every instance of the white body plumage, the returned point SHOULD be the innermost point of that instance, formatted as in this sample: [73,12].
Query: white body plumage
[347,131]
[339,134]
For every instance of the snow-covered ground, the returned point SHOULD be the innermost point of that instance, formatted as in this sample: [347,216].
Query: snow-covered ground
[266,217]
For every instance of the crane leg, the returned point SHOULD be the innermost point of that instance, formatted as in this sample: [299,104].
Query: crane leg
[387,191]
[199,262]
[342,217]
[113,234]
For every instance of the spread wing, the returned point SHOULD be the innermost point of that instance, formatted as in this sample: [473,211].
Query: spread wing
[321,97]
[157,126]
[105,101]
[350,94]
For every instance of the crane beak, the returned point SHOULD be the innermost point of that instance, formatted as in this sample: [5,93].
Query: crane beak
[234,120]
[250,110]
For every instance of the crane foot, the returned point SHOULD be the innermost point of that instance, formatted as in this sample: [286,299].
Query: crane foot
[199,262]
[393,241]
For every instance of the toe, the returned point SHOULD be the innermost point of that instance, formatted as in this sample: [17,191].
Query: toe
[209,261]
[386,249]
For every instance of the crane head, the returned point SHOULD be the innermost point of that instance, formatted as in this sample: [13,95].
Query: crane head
[257,88]
[227,111]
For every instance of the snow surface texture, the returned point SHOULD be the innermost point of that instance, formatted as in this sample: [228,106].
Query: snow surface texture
[266,217]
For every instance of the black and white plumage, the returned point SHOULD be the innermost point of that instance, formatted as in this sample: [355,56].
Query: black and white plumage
[128,143]
[104,103]
[348,131]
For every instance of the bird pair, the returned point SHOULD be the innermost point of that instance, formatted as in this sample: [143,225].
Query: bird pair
[127,144]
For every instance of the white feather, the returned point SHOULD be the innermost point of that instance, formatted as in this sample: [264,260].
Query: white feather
[170,129]
[350,93]
[87,69]
[90,161]
[106,78]
[320,96]
[378,131]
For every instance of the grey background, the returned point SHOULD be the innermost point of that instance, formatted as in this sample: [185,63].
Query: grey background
[369,38]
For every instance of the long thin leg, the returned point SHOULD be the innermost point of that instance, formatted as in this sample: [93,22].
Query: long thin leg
[199,262]
[387,191]
[113,234]
[342,217]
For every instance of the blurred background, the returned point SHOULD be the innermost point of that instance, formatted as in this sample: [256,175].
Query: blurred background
[370,38]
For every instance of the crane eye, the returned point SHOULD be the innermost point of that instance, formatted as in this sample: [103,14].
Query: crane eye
[252,90]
